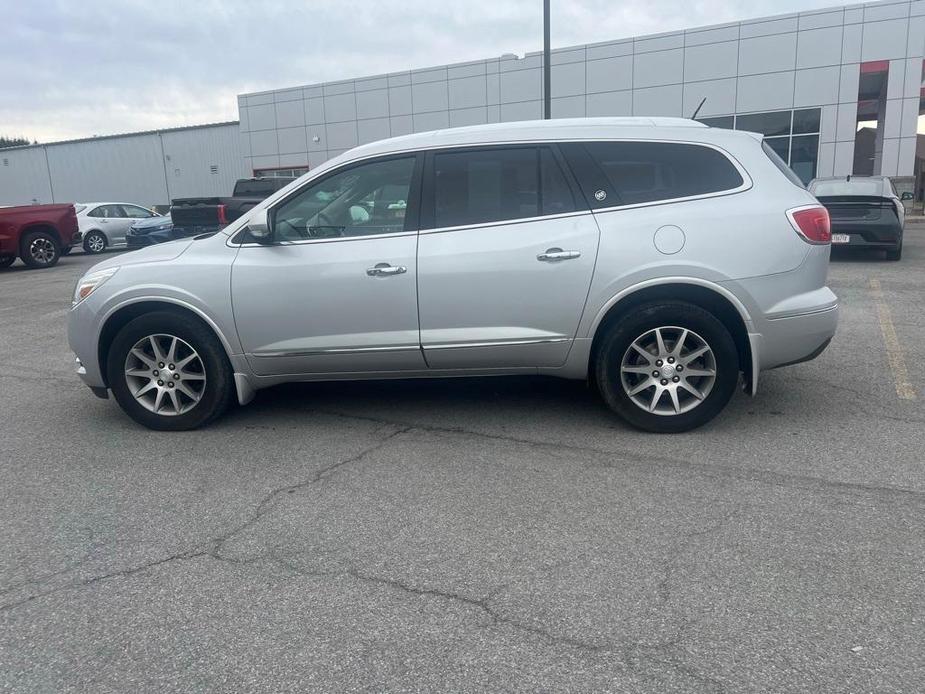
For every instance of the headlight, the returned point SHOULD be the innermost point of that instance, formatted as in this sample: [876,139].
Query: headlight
[89,283]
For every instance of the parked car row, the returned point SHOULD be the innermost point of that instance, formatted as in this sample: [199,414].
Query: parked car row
[41,234]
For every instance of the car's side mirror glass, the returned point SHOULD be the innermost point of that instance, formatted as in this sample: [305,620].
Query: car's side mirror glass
[906,196]
[258,226]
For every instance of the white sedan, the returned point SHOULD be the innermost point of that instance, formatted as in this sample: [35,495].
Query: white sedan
[103,225]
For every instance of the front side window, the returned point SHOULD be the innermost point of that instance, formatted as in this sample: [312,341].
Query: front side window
[362,200]
[498,184]
[640,172]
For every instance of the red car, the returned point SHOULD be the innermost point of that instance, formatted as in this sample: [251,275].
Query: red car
[38,234]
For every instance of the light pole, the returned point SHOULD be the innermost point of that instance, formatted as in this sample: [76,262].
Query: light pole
[547,72]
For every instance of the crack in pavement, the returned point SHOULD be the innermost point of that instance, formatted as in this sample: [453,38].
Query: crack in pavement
[211,547]
[645,462]
[634,656]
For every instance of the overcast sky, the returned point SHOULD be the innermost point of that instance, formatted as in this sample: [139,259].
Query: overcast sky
[76,69]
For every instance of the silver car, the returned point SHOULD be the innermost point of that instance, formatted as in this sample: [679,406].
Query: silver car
[103,225]
[658,258]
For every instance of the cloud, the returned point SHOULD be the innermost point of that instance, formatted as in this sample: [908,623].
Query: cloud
[104,66]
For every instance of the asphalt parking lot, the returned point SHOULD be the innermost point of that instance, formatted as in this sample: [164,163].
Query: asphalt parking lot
[481,535]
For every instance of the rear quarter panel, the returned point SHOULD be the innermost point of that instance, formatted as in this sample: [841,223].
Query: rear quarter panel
[724,238]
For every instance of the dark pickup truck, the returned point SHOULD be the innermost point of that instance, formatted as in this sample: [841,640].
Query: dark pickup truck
[38,234]
[193,216]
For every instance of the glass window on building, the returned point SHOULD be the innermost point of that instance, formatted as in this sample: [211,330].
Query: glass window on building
[294,172]
[793,135]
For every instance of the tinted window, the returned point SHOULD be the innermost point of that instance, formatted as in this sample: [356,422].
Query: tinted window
[781,145]
[774,123]
[806,121]
[803,154]
[781,164]
[366,199]
[647,171]
[493,185]
[555,193]
[718,122]
[95,212]
[260,188]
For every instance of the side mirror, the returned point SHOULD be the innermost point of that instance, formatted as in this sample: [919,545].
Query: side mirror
[906,196]
[258,226]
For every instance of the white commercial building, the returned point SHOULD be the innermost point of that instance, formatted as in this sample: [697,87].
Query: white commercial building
[836,91]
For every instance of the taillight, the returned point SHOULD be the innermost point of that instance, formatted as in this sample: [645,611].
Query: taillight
[812,223]
[221,215]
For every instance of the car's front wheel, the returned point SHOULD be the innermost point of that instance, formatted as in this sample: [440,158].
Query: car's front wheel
[169,372]
[667,367]
[95,242]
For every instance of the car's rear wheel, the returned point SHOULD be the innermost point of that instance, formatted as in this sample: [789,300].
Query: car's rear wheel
[6,261]
[667,367]
[895,253]
[169,372]
[40,249]
[95,242]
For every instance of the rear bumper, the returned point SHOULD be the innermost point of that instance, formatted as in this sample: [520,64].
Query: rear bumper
[878,234]
[796,338]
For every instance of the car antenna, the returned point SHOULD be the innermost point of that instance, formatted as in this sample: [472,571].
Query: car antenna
[702,102]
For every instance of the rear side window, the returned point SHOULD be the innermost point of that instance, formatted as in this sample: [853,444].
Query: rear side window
[640,172]
[497,184]
[781,164]
[261,187]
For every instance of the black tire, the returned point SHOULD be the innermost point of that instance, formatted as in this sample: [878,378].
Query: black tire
[895,253]
[94,234]
[67,251]
[219,384]
[623,333]
[6,261]
[50,249]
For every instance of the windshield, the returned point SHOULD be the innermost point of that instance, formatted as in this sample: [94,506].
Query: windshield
[856,186]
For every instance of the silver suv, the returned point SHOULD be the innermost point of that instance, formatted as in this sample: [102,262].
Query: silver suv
[658,258]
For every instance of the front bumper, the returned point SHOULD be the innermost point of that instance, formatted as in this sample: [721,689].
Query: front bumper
[99,391]
[81,335]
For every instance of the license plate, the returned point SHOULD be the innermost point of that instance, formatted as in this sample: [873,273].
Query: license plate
[841,238]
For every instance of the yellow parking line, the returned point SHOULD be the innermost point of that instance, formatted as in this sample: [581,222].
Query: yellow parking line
[894,352]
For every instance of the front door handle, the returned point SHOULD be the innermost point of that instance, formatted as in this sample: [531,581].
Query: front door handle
[553,255]
[385,270]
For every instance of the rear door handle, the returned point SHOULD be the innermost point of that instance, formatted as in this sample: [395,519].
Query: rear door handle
[386,270]
[553,255]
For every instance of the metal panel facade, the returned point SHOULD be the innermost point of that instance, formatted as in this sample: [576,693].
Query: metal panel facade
[805,60]
[145,168]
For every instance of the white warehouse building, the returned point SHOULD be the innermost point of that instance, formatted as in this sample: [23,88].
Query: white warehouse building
[836,91]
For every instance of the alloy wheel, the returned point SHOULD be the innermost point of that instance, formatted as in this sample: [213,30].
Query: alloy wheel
[96,243]
[668,370]
[165,374]
[42,250]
